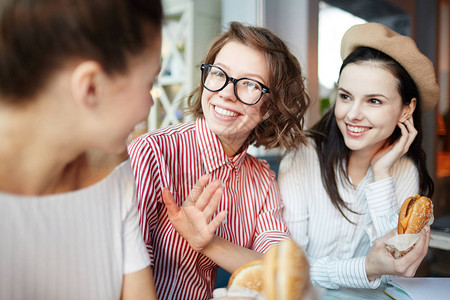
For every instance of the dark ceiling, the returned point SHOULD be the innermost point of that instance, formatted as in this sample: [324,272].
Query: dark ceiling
[369,10]
[380,11]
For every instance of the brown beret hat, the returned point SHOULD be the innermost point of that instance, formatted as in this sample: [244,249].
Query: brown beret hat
[402,49]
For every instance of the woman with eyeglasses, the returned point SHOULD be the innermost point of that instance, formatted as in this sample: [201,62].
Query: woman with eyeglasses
[251,92]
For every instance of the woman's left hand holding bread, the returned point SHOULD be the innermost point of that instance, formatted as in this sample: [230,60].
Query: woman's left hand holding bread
[380,261]
[385,158]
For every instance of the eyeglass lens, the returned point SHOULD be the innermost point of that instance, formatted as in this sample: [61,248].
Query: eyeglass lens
[247,90]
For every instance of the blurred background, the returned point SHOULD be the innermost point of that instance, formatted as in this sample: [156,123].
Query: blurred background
[313,30]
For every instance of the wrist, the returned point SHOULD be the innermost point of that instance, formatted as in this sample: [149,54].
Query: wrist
[380,174]
[371,276]
[208,247]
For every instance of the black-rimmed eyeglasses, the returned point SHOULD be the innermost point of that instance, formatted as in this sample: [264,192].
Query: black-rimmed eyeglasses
[246,90]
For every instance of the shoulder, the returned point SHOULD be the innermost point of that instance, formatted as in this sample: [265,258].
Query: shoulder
[120,171]
[305,155]
[260,166]
[167,136]
[121,185]
[404,167]
[170,132]
[95,167]
[173,130]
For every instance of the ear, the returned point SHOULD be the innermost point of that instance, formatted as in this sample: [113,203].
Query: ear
[408,110]
[85,83]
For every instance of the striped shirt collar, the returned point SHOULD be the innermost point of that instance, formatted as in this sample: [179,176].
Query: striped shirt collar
[213,154]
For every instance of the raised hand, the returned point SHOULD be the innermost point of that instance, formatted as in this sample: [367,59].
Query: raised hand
[380,261]
[193,219]
[385,158]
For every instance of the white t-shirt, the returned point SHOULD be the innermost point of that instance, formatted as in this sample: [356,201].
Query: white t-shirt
[75,245]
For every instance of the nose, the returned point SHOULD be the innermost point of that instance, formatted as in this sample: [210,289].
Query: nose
[228,92]
[355,112]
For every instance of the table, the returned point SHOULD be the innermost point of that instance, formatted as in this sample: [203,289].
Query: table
[354,294]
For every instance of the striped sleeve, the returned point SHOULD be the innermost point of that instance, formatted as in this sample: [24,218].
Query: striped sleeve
[383,209]
[271,228]
[406,180]
[145,168]
[385,197]
[291,178]
[331,272]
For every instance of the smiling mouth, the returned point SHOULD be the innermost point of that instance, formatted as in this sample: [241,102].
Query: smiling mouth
[357,129]
[224,112]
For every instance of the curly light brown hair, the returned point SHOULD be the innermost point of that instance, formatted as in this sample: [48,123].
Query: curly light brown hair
[283,110]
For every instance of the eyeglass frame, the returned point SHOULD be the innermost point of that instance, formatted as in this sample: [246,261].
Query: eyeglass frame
[264,88]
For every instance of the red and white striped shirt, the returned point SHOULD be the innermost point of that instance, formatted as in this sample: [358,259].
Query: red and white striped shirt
[176,157]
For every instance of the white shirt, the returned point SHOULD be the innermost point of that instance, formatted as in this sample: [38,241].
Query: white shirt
[75,245]
[336,248]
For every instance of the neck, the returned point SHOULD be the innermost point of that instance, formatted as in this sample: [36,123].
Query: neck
[358,166]
[34,164]
[53,169]
[41,151]
[232,147]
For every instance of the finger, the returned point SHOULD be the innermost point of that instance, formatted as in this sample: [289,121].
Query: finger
[427,240]
[409,123]
[412,131]
[208,195]
[414,258]
[214,224]
[404,141]
[424,240]
[169,201]
[404,131]
[196,191]
[422,243]
[410,120]
[418,252]
[211,207]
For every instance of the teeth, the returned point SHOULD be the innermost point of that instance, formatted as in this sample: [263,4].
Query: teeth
[357,129]
[224,112]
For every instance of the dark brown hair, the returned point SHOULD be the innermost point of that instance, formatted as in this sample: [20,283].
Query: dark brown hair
[284,108]
[331,149]
[37,37]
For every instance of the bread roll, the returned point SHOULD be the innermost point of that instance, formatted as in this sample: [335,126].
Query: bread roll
[283,274]
[415,214]
[286,272]
[248,276]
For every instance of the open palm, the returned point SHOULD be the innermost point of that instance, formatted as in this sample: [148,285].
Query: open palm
[193,219]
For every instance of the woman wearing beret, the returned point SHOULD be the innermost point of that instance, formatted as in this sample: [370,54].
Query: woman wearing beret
[343,190]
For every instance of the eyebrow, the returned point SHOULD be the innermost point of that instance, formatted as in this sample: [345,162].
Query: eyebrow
[250,75]
[366,96]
